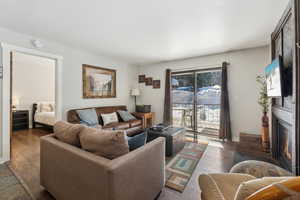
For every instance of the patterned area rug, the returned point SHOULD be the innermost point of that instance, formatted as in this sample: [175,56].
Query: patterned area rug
[11,187]
[180,168]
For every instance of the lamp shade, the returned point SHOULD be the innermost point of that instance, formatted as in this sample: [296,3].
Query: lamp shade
[135,92]
[15,101]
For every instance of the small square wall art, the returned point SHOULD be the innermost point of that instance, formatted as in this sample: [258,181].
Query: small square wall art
[148,81]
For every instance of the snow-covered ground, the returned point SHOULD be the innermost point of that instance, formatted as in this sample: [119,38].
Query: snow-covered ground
[208,95]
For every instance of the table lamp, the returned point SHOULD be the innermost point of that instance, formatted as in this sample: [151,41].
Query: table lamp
[135,92]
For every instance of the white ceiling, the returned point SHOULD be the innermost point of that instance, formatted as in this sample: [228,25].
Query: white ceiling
[144,31]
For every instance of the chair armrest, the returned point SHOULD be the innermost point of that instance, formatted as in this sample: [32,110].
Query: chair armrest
[139,174]
[212,185]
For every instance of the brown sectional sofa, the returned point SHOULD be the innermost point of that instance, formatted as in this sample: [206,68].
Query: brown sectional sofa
[68,172]
[132,127]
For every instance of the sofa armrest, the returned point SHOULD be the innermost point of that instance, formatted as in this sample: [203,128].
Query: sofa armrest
[139,174]
[137,116]
[68,172]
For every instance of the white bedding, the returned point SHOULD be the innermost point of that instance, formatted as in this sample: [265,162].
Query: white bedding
[45,118]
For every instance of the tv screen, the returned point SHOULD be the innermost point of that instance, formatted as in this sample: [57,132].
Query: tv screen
[273,78]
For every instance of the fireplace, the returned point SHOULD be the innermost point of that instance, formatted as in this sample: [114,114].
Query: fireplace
[285,136]
[285,146]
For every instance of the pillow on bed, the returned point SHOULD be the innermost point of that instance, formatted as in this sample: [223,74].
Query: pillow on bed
[46,107]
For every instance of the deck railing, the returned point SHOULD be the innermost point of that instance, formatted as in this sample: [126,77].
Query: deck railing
[208,116]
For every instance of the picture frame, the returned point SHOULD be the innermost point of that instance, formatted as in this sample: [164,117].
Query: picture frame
[98,82]
[156,84]
[142,78]
[148,81]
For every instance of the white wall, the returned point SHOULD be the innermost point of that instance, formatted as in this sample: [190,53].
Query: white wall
[73,58]
[245,65]
[33,80]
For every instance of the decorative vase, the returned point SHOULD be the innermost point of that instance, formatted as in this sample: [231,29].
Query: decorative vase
[265,133]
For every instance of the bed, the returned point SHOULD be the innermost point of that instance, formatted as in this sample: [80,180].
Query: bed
[43,115]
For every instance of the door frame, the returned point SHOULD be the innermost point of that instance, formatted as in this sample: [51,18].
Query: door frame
[5,58]
[194,72]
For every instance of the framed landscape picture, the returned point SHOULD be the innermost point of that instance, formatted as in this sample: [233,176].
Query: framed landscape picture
[98,82]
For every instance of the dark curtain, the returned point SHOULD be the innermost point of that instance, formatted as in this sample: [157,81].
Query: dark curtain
[225,127]
[168,99]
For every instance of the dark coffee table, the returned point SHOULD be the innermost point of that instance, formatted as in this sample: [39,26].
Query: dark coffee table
[175,139]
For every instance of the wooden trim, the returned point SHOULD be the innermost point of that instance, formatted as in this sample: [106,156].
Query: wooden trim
[84,82]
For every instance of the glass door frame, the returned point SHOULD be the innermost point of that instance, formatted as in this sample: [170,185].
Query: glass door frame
[195,85]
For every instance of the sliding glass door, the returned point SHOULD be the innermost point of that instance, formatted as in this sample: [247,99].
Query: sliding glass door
[183,100]
[196,100]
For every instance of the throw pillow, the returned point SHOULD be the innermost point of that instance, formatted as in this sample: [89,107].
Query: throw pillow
[88,117]
[108,144]
[68,133]
[109,118]
[249,187]
[288,189]
[125,115]
[46,107]
[137,141]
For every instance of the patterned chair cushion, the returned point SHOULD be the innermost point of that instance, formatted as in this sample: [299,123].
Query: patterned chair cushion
[259,169]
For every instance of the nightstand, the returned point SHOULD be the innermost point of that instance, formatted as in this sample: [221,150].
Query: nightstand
[148,118]
[20,120]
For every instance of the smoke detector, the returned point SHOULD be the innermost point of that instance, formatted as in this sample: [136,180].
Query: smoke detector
[37,43]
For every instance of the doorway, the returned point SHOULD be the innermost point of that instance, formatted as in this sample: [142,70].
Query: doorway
[32,103]
[196,101]
[7,52]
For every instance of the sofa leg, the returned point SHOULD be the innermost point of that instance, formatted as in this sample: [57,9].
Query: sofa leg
[157,196]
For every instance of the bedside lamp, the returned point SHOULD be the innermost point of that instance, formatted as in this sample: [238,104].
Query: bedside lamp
[135,92]
[15,103]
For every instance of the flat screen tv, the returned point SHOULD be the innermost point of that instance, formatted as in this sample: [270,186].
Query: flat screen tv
[273,77]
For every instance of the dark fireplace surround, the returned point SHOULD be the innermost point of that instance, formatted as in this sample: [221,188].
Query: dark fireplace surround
[285,136]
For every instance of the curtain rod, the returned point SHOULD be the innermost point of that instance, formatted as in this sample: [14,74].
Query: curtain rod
[199,67]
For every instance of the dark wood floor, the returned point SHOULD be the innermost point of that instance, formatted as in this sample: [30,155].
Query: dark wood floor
[219,157]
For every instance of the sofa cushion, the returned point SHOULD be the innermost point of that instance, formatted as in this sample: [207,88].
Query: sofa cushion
[117,125]
[135,123]
[137,141]
[109,118]
[109,144]
[68,133]
[88,117]
[125,115]
[249,187]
